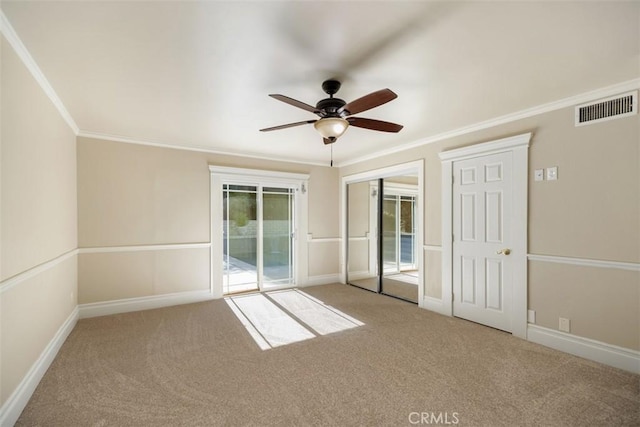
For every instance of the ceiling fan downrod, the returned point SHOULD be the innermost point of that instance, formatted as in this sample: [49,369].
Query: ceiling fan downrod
[331,164]
[331,107]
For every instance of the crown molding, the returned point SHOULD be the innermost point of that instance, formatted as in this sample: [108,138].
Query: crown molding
[12,37]
[512,117]
[198,149]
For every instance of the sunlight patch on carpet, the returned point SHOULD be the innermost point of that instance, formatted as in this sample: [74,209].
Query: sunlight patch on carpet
[279,318]
[272,323]
[313,312]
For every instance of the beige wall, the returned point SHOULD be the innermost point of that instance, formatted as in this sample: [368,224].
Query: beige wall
[323,258]
[38,173]
[602,303]
[133,195]
[139,195]
[433,273]
[118,275]
[31,314]
[38,221]
[590,212]
[359,205]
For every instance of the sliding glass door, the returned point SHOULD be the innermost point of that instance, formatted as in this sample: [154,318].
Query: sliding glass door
[277,236]
[258,237]
[240,238]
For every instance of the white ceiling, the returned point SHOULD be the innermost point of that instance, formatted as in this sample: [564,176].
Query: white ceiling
[197,74]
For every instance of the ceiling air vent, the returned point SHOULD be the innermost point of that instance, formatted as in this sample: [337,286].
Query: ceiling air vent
[607,109]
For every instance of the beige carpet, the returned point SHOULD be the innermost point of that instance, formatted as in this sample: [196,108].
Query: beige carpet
[400,289]
[196,365]
[396,288]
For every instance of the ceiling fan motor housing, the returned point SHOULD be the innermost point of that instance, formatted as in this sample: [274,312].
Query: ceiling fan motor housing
[329,107]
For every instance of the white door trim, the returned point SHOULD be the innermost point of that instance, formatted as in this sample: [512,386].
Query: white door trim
[417,167]
[518,146]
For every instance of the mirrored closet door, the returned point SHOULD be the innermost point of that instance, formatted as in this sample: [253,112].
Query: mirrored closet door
[362,231]
[382,232]
[399,243]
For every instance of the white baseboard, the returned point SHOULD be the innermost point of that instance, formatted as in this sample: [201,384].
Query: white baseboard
[323,279]
[142,303]
[435,304]
[12,408]
[609,354]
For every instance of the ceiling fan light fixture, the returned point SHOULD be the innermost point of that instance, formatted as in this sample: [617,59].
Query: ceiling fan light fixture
[335,114]
[331,128]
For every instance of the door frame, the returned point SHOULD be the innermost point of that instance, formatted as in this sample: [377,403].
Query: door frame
[223,174]
[414,167]
[518,146]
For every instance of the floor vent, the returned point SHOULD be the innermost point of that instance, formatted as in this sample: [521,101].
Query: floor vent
[607,109]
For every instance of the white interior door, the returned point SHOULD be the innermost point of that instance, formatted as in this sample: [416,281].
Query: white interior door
[482,232]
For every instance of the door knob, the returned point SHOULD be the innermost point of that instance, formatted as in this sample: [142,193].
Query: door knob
[506,251]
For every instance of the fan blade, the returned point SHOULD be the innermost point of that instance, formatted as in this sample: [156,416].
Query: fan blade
[290,125]
[295,103]
[370,101]
[360,122]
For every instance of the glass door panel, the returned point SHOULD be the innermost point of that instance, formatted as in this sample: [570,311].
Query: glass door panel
[400,274]
[240,238]
[277,240]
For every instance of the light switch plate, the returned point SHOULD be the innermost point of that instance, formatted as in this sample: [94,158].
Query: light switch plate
[539,175]
[552,173]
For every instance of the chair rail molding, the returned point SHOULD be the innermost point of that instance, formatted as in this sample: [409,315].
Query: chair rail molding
[586,262]
[34,271]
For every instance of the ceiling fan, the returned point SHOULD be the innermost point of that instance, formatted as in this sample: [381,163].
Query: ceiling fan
[335,114]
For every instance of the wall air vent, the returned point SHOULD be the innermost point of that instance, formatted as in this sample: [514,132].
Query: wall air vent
[614,107]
